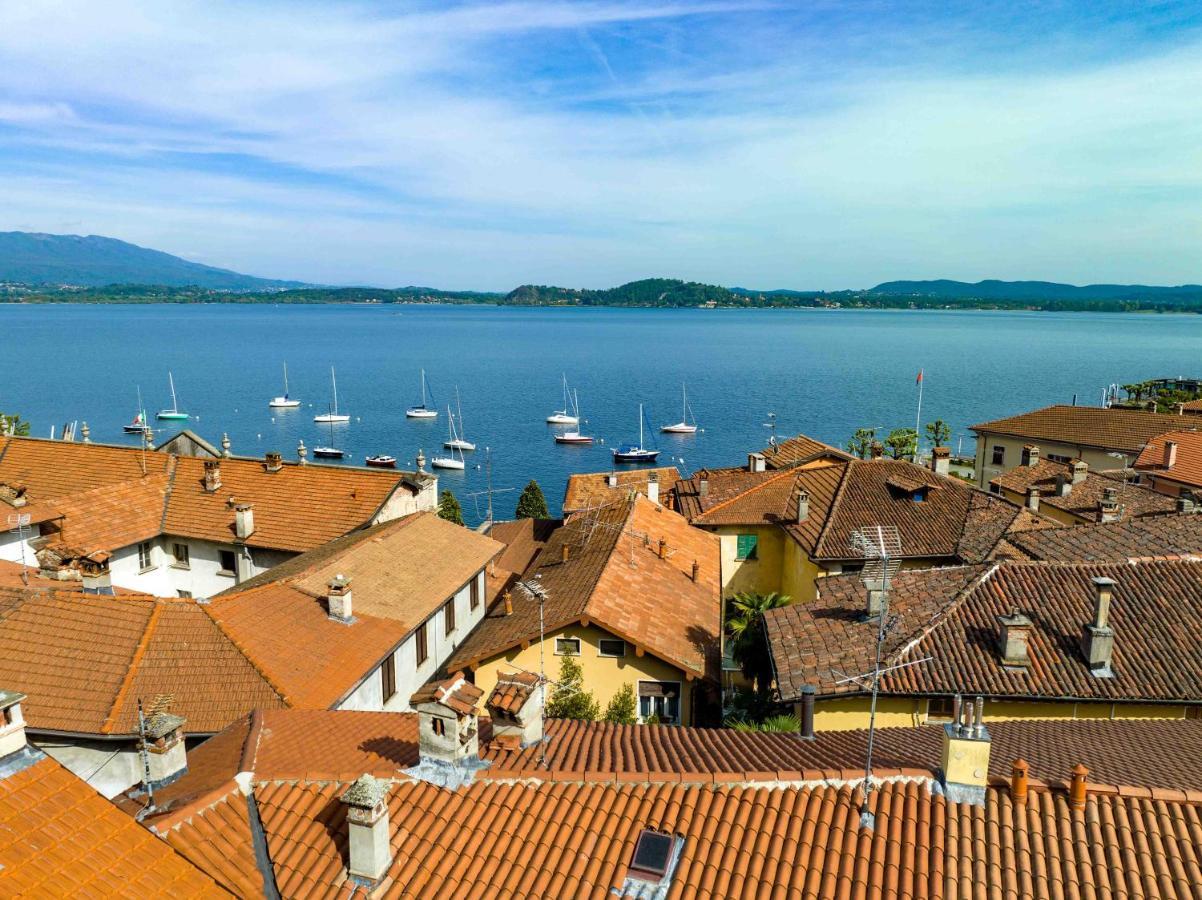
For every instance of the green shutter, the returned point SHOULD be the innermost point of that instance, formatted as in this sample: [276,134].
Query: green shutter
[746,546]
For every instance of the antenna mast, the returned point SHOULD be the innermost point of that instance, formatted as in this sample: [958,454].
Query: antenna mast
[18,523]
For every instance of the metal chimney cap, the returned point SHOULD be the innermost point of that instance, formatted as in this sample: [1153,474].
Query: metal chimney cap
[1102,581]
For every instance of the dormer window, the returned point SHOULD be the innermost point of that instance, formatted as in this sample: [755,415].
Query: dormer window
[652,856]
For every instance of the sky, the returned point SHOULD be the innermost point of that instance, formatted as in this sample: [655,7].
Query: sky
[808,145]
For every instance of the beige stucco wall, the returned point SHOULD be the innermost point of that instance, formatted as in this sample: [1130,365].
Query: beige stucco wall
[603,675]
[760,575]
[986,471]
[1045,509]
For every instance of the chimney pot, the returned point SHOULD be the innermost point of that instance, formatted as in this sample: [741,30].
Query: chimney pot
[1080,471]
[662,550]
[1170,454]
[653,487]
[225,446]
[339,599]
[1076,792]
[212,475]
[367,829]
[965,757]
[1033,499]
[1014,640]
[696,569]
[273,462]
[1018,781]
[808,692]
[508,603]
[564,552]
[803,506]
[941,458]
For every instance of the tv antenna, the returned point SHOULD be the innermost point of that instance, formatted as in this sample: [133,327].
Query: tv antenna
[489,490]
[18,524]
[533,588]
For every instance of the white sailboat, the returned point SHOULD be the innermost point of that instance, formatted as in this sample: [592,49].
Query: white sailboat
[173,413]
[568,415]
[458,440]
[284,402]
[687,424]
[455,460]
[333,415]
[574,437]
[421,410]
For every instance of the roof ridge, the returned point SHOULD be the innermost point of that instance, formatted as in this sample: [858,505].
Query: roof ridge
[172,468]
[246,654]
[945,612]
[127,682]
[836,499]
[782,473]
[199,804]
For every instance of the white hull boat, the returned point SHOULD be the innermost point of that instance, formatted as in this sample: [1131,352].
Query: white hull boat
[173,413]
[455,460]
[458,441]
[284,402]
[333,417]
[687,424]
[569,415]
[421,410]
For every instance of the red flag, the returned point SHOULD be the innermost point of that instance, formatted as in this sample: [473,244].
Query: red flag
[919,380]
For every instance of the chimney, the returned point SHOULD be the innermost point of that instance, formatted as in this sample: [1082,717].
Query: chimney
[1080,471]
[662,550]
[805,712]
[516,709]
[803,506]
[338,599]
[1014,638]
[1097,638]
[1018,781]
[14,495]
[756,462]
[964,761]
[367,830]
[941,460]
[703,487]
[421,460]
[612,479]
[696,570]
[1064,487]
[508,603]
[1170,455]
[1033,499]
[1031,454]
[1076,790]
[273,462]
[876,603]
[1185,501]
[1179,409]
[1108,506]
[653,487]
[876,450]
[446,721]
[212,477]
[12,724]
[166,754]
[244,520]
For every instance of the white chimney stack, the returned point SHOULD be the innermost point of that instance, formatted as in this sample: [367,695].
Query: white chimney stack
[244,521]
[12,723]
[803,506]
[1097,638]
[941,460]
[653,487]
[756,462]
[338,599]
[611,480]
[516,709]
[166,752]
[367,829]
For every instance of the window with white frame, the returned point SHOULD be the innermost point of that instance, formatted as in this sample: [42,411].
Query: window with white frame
[145,556]
[567,646]
[659,701]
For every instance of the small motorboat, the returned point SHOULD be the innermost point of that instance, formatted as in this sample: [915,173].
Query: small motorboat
[381,461]
[333,416]
[635,453]
[421,410]
[687,424]
[572,437]
[284,402]
[569,415]
[328,453]
[173,413]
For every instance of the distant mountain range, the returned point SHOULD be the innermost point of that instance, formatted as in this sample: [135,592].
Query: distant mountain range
[1035,290]
[94,261]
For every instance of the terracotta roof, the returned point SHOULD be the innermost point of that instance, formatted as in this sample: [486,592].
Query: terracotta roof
[1188,467]
[455,693]
[615,578]
[1152,537]
[950,615]
[592,488]
[403,570]
[1192,406]
[296,508]
[84,660]
[60,838]
[1125,430]
[523,539]
[799,450]
[512,692]
[1083,498]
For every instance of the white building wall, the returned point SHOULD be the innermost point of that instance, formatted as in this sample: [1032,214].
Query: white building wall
[109,766]
[202,577]
[402,503]
[11,545]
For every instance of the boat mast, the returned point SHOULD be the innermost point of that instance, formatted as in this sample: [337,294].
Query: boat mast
[459,406]
[334,381]
[640,426]
[285,381]
[174,402]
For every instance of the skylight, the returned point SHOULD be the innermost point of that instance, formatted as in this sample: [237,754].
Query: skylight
[652,854]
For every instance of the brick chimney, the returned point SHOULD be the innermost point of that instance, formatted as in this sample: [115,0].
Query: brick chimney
[964,761]
[1108,506]
[876,450]
[1080,471]
[244,520]
[338,599]
[1033,499]
[803,506]
[273,462]
[653,487]
[1014,638]
[1031,455]
[166,754]
[368,841]
[1097,637]
[941,460]
[12,723]
[1170,455]
[516,709]
[756,462]
[212,476]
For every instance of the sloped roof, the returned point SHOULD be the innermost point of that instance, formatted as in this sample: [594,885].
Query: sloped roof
[1187,469]
[1148,538]
[1126,430]
[113,515]
[593,489]
[403,570]
[60,838]
[1083,498]
[950,615]
[614,577]
[799,450]
[523,539]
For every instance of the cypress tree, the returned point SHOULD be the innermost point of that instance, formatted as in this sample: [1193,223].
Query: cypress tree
[449,509]
[532,504]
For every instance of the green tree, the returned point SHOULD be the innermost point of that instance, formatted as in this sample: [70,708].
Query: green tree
[532,504]
[745,630]
[622,709]
[12,424]
[449,508]
[902,443]
[569,699]
[783,723]
[939,433]
[861,442]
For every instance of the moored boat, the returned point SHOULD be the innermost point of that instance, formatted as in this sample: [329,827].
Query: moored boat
[333,416]
[174,413]
[687,424]
[286,401]
[568,415]
[381,461]
[421,410]
[635,453]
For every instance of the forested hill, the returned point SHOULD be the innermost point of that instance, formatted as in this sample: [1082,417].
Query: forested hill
[1039,291]
[648,292]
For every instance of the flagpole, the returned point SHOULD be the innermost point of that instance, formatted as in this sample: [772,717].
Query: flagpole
[918,419]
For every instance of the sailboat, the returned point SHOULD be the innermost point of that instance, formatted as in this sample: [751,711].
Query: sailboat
[174,412]
[333,415]
[573,437]
[139,425]
[568,415]
[687,424]
[284,402]
[457,441]
[635,453]
[453,461]
[421,411]
[330,452]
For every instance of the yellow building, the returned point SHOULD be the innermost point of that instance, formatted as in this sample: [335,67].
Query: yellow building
[630,591]
[1037,640]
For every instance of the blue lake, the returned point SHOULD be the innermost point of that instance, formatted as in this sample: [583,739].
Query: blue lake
[824,373]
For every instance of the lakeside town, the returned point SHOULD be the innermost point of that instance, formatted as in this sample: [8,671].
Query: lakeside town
[814,671]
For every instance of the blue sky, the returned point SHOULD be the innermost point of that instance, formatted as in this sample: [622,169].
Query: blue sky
[806,145]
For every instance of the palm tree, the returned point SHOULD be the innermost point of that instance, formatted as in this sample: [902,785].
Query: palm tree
[745,630]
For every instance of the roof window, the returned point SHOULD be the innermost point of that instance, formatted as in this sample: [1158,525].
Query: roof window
[653,855]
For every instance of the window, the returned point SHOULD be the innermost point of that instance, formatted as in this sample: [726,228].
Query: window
[183,559]
[567,646]
[423,652]
[184,595]
[229,563]
[652,855]
[145,559]
[999,455]
[746,546]
[448,615]
[1193,712]
[659,701]
[1056,457]
[995,488]
[611,647]
[475,592]
[939,709]
[388,675]
[439,726]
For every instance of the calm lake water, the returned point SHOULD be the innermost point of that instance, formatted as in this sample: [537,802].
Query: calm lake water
[824,373]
